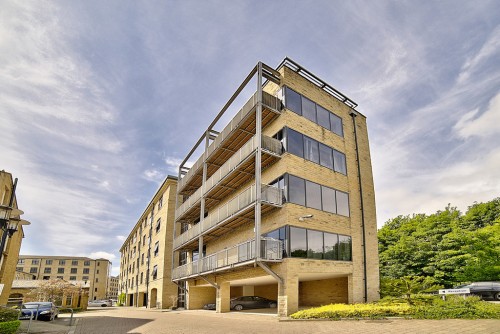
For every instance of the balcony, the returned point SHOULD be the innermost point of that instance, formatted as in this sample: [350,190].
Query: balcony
[230,215]
[233,137]
[238,255]
[236,171]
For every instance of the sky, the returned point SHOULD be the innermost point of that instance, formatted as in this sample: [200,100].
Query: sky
[100,100]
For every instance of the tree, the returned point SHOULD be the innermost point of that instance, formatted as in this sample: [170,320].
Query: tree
[53,290]
[407,286]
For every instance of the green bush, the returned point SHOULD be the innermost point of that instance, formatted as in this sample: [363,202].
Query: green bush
[8,314]
[456,307]
[356,311]
[425,307]
[66,310]
[9,327]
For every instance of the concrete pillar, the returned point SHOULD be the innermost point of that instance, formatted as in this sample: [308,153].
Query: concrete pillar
[222,301]
[288,296]
[248,290]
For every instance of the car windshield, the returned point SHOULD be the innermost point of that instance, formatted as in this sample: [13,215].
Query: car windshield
[37,305]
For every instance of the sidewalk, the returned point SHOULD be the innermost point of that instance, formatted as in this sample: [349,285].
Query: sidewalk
[57,326]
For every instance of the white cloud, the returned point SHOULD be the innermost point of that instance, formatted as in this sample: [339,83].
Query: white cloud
[153,175]
[485,125]
[102,255]
[121,238]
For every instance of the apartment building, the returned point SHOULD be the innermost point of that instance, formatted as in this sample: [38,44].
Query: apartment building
[113,287]
[280,204]
[11,233]
[71,269]
[146,254]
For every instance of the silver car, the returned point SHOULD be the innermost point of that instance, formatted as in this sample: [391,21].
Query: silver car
[100,303]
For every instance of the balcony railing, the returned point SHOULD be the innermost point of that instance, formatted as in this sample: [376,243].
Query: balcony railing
[270,145]
[270,195]
[271,250]
[268,101]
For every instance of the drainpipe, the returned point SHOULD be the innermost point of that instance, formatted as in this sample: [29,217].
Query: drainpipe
[353,115]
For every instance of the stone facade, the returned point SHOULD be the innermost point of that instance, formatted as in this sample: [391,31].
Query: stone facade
[146,254]
[71,269]
[293,281]
[9,256]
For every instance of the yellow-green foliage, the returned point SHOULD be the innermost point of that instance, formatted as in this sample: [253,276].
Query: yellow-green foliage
[9,327]
[337,311]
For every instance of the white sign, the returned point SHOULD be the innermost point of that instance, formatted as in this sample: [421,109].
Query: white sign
[454,291]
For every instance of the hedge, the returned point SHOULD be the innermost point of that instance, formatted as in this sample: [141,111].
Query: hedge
[9,327]
[8,314]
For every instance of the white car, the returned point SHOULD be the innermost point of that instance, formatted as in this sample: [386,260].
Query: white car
[100,303]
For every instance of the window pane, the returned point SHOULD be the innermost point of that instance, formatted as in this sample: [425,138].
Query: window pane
[294,143]
[292,101]
[323,117]
[342,203]
[336,124]
[326,156]
[313,195]
[339,161]
[314,244]
[296,190]
[328,199]
[311,150]
[298,244]
[344,248]
[309,109]
[331,246]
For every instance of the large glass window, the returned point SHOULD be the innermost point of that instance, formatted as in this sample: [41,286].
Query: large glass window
[344,248]
[325,156]
[323,117]
[313,195]
[296,190]
[336,124]
[293,101]
[331,246]
[298,242]
[339,161]
[328,199]
[311,150]
[342,203]
[309,109]
[314,244]
[295,144]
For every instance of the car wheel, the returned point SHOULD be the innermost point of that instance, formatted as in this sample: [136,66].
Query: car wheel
[238,307]
[497,296]
[273,305]
[104,305]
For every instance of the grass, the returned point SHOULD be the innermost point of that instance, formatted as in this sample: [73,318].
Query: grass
[426,307]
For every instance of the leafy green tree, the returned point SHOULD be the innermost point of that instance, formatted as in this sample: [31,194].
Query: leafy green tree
[407,286]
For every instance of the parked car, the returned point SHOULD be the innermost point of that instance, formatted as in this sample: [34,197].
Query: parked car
[240,303]
[209,306]
[100,303]
[483,289]
[39,310]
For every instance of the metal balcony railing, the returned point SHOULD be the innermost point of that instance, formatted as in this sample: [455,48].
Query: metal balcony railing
[268,101]
[269,145]
[271,250]
[270,195]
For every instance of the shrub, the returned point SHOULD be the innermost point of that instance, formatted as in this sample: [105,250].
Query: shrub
[456,307]
[356,311]
[8,314]
[9,327]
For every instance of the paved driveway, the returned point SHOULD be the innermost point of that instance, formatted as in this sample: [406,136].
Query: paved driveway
[139,321]
[123,320]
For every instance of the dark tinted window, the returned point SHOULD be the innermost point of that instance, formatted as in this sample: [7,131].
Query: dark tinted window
[328,199]
[296,190]
[298,242]
[331,246]
[323,117]
[342,203]
[344,248]
[325,156]
[336,124]
[314,244]
[295,144]
[293,101]
[339,160]
[311,150]
[308,109]
[313,195]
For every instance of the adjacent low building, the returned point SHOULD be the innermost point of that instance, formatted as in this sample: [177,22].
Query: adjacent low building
[95,272]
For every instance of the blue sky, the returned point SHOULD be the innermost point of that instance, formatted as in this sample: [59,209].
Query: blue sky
[100,100]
